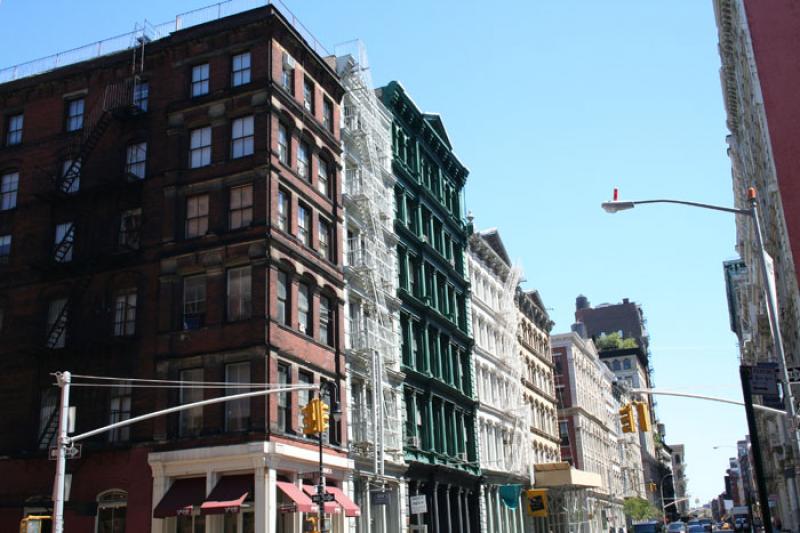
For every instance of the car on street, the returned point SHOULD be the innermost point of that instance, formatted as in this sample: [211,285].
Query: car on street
[696,528]
[676,527]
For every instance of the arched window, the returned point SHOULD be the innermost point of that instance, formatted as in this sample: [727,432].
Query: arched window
[111,508]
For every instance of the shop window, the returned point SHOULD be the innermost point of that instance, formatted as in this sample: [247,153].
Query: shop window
[112,508]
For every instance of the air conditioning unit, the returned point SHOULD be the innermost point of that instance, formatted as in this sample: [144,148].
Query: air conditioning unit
[288,61]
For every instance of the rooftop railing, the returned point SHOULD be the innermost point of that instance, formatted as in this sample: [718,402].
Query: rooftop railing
[149,32]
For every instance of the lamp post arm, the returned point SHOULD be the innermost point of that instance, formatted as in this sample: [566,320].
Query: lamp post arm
[748,212]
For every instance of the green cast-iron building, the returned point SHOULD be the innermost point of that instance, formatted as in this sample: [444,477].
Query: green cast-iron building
[440,443]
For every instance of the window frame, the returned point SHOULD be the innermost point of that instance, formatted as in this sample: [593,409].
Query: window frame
[200,86]
[242,75]
[284,403]
[130,235]
[327,114]
[327,320]
[52,319]
[195,308]
[67,237]
[74,121]
[305,319]
[6,240]
[237,208]
[71,168]
[8,195]
[13,133]
[304,224]
[242,405]
[200,218]
[304,161]
[141,95]
[285,147]
[125,317]
[186,425]
[323,177]
[198,147]
[122,396]
[133,165]
[326,243]
[239,306]
[284,210]
[283,301]
[243,140]
[308,94]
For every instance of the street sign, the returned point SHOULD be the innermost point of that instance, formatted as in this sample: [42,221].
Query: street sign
[73,452]
[764,379]
[379,497]
[327,497]
[419,504]
[537,502]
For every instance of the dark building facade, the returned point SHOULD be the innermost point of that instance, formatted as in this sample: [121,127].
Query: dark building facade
[173,212]
[440,445]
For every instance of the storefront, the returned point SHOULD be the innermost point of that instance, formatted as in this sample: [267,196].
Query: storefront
[257,487]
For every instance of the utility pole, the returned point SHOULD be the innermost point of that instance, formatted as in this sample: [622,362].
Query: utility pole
[64,380]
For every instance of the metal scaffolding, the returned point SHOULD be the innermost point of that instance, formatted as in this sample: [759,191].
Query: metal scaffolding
[373,346]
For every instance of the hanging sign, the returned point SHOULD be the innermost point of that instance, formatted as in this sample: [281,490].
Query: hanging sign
[537,502]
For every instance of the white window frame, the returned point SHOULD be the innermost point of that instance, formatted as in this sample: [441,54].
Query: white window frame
[325,236]
[327,114]
[196,216]
[323,177]
[200,78]
[326,322]
[14,126]
[304,224]
[282,298]
[284,142]
[240,206]
[200,147]
[9,188]
[237,411]
[239,295]
[283,210]
[242,137]
[308,95]
[75,110]
[240,69]
[136,160]
[125,313]
[304,317]
[190,420]
[194,299]
[304,160]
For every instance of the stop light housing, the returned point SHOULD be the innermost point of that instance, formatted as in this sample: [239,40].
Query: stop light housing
[643,415]
[324,416]
[626,419]
[310,418]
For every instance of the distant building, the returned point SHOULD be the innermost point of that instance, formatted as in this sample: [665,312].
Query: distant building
[679,481]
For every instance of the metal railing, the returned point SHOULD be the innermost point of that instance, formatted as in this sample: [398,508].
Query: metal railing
[150,32]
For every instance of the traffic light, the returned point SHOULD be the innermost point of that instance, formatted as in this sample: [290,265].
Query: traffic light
[643,414]
[626,419]
[310,418]
[323,415]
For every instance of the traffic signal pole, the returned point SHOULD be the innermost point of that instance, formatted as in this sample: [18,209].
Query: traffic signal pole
[321,485]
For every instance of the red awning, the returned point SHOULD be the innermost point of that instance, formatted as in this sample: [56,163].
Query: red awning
[330,507]
[228,495]
[182,497]
[350,508]
[302,503]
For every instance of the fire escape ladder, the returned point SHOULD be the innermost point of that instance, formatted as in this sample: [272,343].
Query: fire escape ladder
[48,431]
[59,327]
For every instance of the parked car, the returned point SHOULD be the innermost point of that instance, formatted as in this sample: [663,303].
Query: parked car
[696,528]
[676,527]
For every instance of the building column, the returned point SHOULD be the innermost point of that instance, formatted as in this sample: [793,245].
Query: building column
[460,509]
[467,512]
[449,510]
[260,501]
[435,498]
[160,485]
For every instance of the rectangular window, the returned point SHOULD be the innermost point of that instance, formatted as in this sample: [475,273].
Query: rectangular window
[304,224]
[303,165]
[9,186]
[119,410]
[130,229]
[283,210]
[287,73]
[326,321]
[125,314]
[242,135]
[196,216]
[563,430]
[308,95]
[303,396]
[284,399]
[57,323]
[240,206]
[75,114]
[200,147]
[283,298]
[240,66]
[325,238]
[194,302]
[283,144]
[191,420]
[135,160]
[64,242]
[304,308]
[323,177]
[239,293]
[14,129]
[237,413]
[327,114]
[70,176]
[200,80]
[141,92]
[5,249]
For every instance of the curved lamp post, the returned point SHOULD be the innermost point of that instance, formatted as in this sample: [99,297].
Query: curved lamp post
[772,311]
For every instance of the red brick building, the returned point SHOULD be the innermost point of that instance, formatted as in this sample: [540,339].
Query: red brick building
[173,211]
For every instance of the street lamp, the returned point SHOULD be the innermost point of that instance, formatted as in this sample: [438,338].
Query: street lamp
[772,311]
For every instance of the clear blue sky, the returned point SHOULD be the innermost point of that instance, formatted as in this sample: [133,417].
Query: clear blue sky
[550,104]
